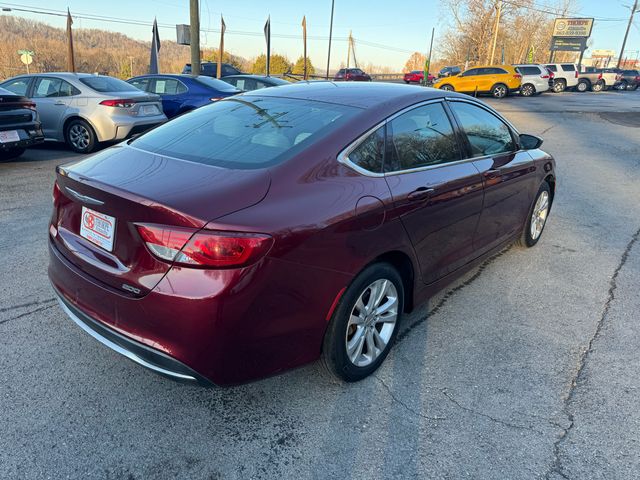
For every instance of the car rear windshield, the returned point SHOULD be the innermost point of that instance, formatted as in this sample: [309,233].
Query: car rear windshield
[529,70]
[108,84]
[245,132]
[568,67]
[552,68]
[216,84]
[631,72]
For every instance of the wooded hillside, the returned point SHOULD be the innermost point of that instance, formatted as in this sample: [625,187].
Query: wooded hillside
[95,50]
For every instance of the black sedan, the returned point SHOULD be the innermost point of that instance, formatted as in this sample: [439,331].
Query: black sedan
[247,83]
[19,125]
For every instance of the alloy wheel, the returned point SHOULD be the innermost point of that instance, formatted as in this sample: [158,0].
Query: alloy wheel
[582,87]
[539,215]
[79,136]
[372,322]
[527,90]
[499,91]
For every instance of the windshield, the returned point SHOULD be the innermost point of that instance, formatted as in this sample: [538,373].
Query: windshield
[245,132]
[216,84]
[108,84]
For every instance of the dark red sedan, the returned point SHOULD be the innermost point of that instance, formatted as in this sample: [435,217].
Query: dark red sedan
[266,230]
[417,76]
[352,75]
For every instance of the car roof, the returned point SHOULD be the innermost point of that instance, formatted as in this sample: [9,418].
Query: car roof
[64,75]
[247,75]
[355,94]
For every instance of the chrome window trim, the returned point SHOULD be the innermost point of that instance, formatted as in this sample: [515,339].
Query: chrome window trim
[343,156]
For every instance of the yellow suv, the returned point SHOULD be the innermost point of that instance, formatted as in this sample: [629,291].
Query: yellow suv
[498,80]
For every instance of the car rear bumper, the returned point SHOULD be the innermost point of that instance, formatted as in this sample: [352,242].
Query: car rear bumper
[222,326]
[139,353]
[120,126]
[30,134]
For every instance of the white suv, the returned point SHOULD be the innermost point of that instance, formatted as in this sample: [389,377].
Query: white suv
[565,75]
[535,79]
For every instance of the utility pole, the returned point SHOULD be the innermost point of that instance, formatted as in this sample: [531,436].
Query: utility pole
[349,49]
[634,9]
[495,32]
[195,36]
[330,34]
[426,74]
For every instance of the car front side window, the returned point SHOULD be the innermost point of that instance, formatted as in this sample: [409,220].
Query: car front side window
[421,137]
[487,134]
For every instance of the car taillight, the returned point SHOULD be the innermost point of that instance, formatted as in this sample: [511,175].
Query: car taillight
[349,75]
[204,249]
[600,77]
[29,105]
[517,76]
[120,103]
[638,78]
[576,74]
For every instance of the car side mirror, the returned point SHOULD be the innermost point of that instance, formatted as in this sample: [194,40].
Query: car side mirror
[530,142]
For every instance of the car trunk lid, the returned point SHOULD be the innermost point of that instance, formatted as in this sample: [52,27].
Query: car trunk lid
[132,187]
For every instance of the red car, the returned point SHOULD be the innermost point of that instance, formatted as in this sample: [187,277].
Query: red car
[417,76]
[266,230]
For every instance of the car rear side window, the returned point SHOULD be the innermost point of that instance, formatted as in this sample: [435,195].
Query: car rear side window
[168,86]
[529,70]
[46,87]
[568,67]
[104,84]
[553,68]
[245,132]
[421,137]
[370,153]
[487,134]
[140,83]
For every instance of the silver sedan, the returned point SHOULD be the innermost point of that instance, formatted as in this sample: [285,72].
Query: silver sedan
[83,110]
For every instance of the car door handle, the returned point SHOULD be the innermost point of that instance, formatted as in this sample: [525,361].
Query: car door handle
[59,103]
[420,194]
[492,174]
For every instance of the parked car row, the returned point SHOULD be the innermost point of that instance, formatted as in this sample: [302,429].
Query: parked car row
[84,110]
[531,79]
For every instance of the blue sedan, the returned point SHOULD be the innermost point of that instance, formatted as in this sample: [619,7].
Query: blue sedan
[181,93]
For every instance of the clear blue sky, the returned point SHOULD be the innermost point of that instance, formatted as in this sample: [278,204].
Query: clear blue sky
[404,25]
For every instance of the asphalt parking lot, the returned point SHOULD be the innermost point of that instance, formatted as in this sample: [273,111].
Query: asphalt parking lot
[526,368]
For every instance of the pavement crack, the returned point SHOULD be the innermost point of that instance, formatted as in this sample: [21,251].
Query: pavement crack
[450,397]
[547,129]
[29,304]
[402,335]
[403,404]
[27,313]
[556,465]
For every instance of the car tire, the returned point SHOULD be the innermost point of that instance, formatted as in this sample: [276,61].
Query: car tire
[499,90]
[536,218]
[582,86]
[598,86]
[11,153]
[407,82]
[80,136]
[623,85]
[559,86]
[527,90]
[447,88]
[358,339]
[633,88]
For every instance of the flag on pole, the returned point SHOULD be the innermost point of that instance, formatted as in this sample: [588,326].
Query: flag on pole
[154,63]
[71,63]
[223,28]
[267,36]
[530,54]
[304,41]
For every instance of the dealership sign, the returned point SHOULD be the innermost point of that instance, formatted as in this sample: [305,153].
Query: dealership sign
[566,44]
[572,27]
